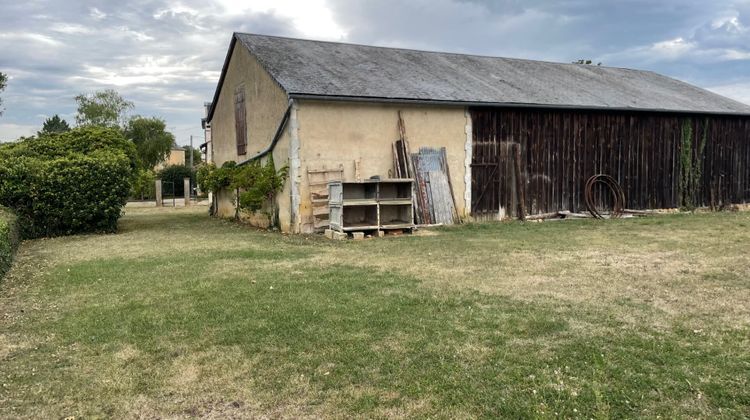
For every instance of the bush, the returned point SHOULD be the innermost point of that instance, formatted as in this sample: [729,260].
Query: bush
[82,140]
[9,239]
[143,185]
[67,183]
[177,175]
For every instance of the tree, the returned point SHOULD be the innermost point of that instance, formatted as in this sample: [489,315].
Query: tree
[54,124]
[104,108]
[3,84]
[196,156]
[152,141]
[143,184]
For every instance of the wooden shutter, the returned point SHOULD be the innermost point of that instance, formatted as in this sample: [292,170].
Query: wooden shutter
[240,120]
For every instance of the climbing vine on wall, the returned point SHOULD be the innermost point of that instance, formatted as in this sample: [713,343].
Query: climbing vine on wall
[691,164]
[258,184]
[254,183]
[212,179]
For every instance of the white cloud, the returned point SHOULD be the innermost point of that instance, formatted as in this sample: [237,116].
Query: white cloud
[147,70]
[175,9]
[70,28]
[10,131]
[732,54]
[312,18]
[30,36]
[97,14]
[671,49]
[162,66]
[138,36]
[737,91]
[661,51]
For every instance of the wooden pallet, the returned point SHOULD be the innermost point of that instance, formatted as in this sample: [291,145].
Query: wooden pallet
[317,180]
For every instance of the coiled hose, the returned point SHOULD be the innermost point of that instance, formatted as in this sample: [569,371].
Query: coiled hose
[618,195]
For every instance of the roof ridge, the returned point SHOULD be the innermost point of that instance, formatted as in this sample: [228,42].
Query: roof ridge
[355,44]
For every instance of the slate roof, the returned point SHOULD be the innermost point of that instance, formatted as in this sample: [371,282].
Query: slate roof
[333,70]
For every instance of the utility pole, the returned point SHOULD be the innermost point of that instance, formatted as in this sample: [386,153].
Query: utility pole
[191,151]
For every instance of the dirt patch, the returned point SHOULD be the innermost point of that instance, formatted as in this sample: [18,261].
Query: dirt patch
[425,232]
[186,372]
[127,353]
[9,345]
[633,281]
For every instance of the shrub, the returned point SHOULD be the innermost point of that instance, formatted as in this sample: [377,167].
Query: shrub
[67,183]
[8,239]
[177,175]
[82,140]
[143,185]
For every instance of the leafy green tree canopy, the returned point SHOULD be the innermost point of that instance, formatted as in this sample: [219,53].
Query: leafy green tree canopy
[151,139]
[54,124]
[104,108]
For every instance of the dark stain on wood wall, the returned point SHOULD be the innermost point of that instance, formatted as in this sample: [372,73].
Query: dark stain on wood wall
[644,152]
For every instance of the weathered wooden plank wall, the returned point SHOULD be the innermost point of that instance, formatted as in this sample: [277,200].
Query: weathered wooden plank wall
[644,152]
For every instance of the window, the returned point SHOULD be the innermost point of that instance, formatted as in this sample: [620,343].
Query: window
[240,120]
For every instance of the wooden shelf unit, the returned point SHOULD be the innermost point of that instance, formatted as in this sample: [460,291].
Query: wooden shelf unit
[371,205]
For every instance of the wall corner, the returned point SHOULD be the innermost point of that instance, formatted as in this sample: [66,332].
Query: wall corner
[294,168]
[467,163]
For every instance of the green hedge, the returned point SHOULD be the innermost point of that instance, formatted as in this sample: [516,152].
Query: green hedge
[175,174]
[67,183]
[81,140]
[9,239]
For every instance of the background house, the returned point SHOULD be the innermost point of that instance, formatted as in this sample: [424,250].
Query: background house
[176,156]
[318,105]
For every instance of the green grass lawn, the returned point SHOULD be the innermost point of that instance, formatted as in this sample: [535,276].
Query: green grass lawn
[180,315]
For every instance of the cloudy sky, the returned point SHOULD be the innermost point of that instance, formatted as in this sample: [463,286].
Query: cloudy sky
[166,56]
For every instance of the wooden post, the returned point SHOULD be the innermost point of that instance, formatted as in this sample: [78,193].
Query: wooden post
[157,189]
[186,183]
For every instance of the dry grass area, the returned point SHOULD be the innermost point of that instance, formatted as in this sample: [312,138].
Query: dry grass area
[679,267]
[180,316]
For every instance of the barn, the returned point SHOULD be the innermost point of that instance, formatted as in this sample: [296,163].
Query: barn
[325,107]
